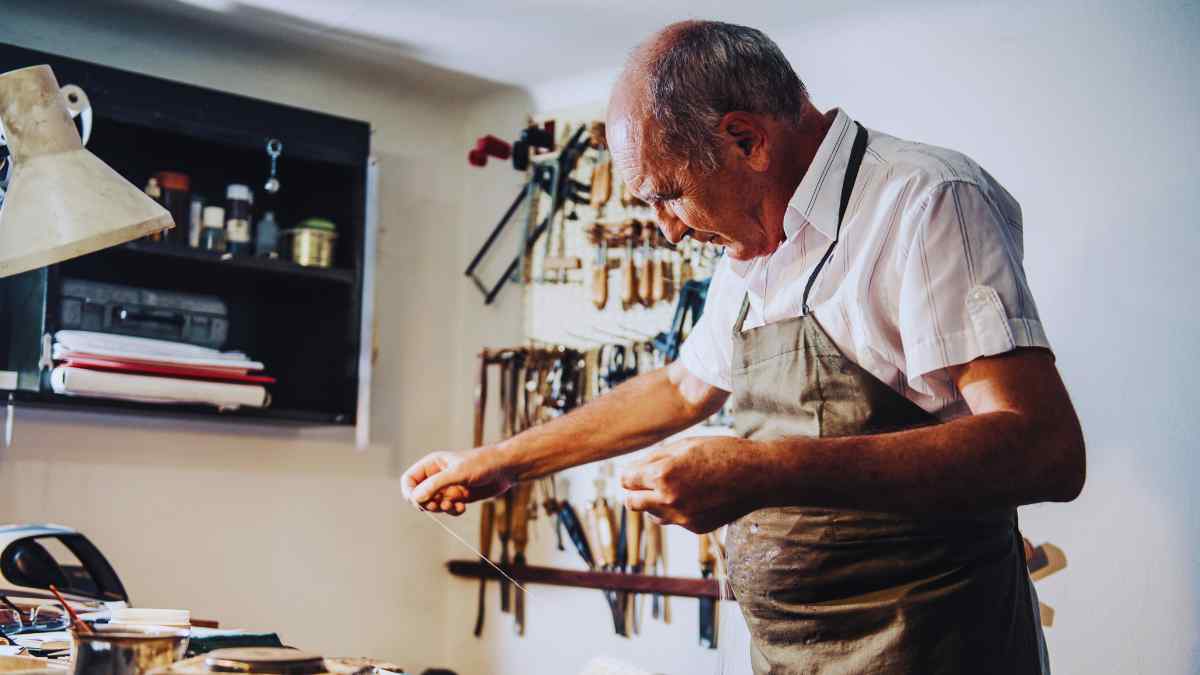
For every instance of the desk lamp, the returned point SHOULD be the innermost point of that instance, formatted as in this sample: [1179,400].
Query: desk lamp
[62,201]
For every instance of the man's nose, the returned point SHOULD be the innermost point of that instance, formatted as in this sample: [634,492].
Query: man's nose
[672,228]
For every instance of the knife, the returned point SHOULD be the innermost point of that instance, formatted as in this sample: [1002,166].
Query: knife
[575,530]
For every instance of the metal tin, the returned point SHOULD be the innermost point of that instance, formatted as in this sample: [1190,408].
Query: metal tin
[127,650]
[312,242]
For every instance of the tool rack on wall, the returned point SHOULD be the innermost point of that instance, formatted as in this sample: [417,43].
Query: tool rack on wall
[310,326]
[1045,560]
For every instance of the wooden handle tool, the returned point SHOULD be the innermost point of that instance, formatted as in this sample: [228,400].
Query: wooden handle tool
[503,529]
[520,538]
[600,277]
[708,606]
[487,509]
[633,544]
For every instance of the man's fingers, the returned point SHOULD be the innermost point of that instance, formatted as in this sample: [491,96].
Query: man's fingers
[639,476]
[644,500]
[434,483]
[417,473]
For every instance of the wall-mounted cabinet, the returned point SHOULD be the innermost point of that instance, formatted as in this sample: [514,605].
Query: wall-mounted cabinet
[306,324]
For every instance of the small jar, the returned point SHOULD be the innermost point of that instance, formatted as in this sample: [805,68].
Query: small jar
[239,199]
[212,235]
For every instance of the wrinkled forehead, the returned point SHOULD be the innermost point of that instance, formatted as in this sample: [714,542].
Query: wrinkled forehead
[636,156]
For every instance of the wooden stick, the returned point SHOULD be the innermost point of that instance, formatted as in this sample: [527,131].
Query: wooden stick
[78,622]
[637,583]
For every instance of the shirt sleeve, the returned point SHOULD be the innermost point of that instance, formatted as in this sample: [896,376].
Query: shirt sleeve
[707,352]
[963,291]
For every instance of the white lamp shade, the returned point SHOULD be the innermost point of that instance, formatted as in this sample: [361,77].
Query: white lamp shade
[62,201]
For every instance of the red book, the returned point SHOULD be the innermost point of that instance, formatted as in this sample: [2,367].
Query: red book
[190,372]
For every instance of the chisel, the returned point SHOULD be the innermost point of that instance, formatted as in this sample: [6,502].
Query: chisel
[503,528]
[575,530]
[708,606]
[520,538]
[633,539]
[606,535]
[658,608]
[487,509]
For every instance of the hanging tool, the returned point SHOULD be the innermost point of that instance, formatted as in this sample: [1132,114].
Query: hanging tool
[551,176]
[488,146]
[622,562]
[629,284]
[503,524]
[708,606]
[575,530]
[600,276]
[633,538]
[646,267]
[664,277]
[520,538]
[487,509]
[606,535]
[690,306]
[656,561]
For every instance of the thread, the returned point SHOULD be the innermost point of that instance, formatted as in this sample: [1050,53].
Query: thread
[483,557]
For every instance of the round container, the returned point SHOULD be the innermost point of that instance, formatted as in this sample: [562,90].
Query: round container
[312,242]
[126,650]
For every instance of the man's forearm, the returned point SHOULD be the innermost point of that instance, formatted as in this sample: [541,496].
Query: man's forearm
[979,462]
[636,414]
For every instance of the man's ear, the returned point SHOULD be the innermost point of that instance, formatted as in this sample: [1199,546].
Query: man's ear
[747,138]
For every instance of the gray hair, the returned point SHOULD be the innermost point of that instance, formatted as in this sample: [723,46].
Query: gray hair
[706,69]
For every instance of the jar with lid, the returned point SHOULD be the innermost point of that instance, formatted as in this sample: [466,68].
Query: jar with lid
[212,235]
[312,242]
[239,199]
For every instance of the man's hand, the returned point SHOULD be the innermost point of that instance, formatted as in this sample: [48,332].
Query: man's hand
[447,481]
[700,483]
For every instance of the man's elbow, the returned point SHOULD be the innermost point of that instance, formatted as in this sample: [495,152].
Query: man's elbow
[1069,469]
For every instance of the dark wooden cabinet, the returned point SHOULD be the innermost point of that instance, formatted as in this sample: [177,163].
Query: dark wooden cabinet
[305,324]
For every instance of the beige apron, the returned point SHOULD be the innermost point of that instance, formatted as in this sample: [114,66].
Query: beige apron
[841,592]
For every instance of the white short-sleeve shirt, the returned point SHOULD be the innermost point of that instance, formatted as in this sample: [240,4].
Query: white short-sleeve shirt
[927,272]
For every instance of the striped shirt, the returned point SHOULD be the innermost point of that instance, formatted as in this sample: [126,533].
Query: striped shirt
[927,272]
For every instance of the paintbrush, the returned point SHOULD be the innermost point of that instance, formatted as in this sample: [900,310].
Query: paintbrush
[79,624]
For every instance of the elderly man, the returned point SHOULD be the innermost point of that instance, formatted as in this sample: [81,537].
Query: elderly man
[895,395]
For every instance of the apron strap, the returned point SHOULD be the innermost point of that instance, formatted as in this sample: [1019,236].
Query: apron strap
[856,157]
[741,318]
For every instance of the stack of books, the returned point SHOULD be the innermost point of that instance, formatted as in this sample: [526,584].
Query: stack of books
[103,365]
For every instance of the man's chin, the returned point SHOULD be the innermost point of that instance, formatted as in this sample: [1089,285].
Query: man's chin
[740,253]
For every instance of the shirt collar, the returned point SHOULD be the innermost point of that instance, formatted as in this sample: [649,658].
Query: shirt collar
[817,199]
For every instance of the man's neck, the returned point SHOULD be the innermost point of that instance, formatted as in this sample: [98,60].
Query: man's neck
[802,146]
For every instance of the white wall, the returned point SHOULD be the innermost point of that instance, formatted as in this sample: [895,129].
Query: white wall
[280,530]
[1087,113]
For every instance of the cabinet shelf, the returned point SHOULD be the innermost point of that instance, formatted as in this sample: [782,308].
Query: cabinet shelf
[103,406]
[271,266]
